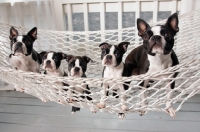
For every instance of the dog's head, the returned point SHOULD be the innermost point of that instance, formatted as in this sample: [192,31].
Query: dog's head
[158,39]
[77,65]
[22,44]
[112,55]
[51,61]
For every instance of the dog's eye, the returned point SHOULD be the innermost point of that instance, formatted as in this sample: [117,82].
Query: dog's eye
[25,40]
[44,57]
[150,33]
[165,32]
[14,40]
[117,54]
[104,52]
[55,59]
[71,65]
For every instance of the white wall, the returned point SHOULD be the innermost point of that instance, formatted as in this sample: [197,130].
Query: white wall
[189,5]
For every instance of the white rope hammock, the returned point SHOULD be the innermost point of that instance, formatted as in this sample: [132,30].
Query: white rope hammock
[187,48]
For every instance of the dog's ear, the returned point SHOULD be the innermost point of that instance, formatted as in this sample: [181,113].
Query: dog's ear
[63,55]
[87,59]
[33,34]
[42,54]
[13,33]
[172,23]
[68,57]
[123,46]
[103,45]
[142,26]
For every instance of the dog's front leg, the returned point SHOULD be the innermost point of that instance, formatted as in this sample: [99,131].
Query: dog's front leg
[123,97]
[69,94]
[143,96]
[103,96]
[169,108]
[123,101]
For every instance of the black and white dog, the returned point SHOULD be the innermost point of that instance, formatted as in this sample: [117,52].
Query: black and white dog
[23,56]
[156,53]
[77,66]
[111,57]
[52,63]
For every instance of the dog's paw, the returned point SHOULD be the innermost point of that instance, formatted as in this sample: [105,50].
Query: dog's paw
[171,112]
[73,112]
[61,102]
[124,108]
[94,111]
[101,105]
[20,90]
[70,100]
[44,100]
[142,112]
[121,115]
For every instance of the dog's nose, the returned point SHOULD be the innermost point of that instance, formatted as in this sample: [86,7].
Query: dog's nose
[109,57]
[19,44]
[156,37]
[48,62]
[76,69]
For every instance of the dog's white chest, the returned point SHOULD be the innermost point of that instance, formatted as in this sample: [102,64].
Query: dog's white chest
[24,63]
[159,62]
[77,87]
[112,72]
[58,72]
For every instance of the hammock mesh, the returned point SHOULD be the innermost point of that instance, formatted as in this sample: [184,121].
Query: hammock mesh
[187,48]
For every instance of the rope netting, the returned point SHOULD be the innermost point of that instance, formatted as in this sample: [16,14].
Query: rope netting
[187,48]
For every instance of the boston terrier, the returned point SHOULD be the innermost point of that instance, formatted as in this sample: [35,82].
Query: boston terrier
[156,53]
[23,56]
[51,63]
[77,66]
[111,57]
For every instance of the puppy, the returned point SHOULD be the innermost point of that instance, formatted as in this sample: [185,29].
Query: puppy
[23,56]
[77,66]
[156,53]
[111,57]
[51,63]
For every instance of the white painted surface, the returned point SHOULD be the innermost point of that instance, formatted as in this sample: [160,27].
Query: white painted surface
[119,21]
[187,6]
[129,6]
[155,11]
[85,7]
[102,20]
[69,16]
[94,7]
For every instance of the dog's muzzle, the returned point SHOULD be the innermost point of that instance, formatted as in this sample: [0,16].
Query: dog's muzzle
[156,42]
[48,64]
[18,48]
[108,59]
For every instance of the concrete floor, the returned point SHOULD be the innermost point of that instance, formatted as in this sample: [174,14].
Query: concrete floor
[20,112]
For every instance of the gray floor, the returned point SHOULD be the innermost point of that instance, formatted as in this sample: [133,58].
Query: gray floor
[20,112]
